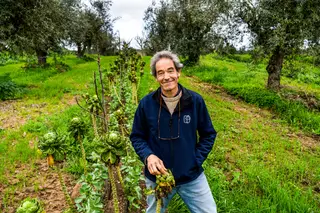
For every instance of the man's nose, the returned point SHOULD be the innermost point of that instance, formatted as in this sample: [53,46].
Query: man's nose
[166,75]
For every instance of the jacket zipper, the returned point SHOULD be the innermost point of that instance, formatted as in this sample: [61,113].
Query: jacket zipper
[171,144]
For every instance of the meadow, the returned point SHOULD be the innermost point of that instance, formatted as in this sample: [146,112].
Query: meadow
[265,158]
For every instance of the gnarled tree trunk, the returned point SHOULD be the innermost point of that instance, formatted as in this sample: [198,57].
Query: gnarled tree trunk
[193,56]
[274,68]
[80,50]
[42,56]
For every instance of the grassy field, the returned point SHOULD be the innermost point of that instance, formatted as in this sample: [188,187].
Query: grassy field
[261,162]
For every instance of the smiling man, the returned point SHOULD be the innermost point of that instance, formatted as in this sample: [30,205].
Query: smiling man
[164,135]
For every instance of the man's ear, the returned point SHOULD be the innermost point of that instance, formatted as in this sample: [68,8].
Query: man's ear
[179,71]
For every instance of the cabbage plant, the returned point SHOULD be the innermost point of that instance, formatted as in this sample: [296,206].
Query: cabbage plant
[53,145]
[30,205]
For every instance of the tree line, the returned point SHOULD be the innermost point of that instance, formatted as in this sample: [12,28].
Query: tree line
[278,28]
[39,26]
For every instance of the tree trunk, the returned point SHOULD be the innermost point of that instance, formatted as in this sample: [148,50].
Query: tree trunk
[193,58]
[42,57]
[80,50]
[274,69]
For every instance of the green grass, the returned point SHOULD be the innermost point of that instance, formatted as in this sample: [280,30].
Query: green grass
[259,163]
[248,83]
[256,164]
[46,105]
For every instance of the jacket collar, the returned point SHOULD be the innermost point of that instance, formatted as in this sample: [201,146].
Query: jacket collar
[185,100]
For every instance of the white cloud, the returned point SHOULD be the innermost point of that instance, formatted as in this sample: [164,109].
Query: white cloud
[131,14]
[131,22]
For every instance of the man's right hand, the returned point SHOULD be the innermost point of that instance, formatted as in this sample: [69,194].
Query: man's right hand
[155,165]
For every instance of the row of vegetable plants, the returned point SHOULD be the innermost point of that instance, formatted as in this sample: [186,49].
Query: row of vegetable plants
[98,141]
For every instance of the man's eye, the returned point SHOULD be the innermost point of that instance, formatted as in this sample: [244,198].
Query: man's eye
[160,73]
[170,71]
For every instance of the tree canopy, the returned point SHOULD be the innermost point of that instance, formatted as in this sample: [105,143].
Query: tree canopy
[182,26]
[39,26]
[280,28]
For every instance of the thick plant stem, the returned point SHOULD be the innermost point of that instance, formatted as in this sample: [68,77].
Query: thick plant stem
[114,190]
[120,176]
[65,191]
[158,210]
[94,124]
[122,130]
[83,155]
[134,94]
[118,97]
[95,83]
[104,110]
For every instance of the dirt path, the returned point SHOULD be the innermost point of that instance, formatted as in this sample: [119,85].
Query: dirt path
[15,113]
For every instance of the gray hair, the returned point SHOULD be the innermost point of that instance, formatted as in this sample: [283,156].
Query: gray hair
[164,54]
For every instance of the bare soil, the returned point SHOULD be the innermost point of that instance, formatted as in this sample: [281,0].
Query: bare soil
[39,182]
[15,113]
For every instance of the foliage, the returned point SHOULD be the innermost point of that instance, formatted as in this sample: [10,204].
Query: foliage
[112,148]
[35,26]
[7,58]
[131,168]
[30,205]
[53,143]
[182,26]
[8,89]
[280,28]
[303,72]
[92,29]
[77,127]
[92,190]
[165,183]
[295,112]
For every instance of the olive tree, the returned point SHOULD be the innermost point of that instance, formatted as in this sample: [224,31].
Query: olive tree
[156,20]
[92,28]
[280,28]
[34,26]
[183,26]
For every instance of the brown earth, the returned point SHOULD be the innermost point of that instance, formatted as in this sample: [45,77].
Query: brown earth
[15,113]
[40,182]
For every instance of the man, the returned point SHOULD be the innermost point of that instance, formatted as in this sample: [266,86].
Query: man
[164,135]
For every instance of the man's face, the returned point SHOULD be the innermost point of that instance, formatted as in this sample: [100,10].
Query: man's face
[167,75]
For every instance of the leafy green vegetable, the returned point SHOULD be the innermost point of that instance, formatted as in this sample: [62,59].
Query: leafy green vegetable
[54,144]
[30,206]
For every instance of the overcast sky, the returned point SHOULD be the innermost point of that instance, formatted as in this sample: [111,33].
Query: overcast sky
[130,13]
[131,22]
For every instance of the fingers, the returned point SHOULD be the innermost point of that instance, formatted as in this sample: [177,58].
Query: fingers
[153,169]
[162,168]
[156,166]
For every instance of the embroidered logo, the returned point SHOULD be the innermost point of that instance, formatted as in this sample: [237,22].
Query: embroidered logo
[186,119]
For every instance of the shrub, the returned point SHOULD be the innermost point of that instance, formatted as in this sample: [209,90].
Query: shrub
[293,112]
[6,58]
[8,89]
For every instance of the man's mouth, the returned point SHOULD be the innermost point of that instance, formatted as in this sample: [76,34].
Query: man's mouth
[167,82]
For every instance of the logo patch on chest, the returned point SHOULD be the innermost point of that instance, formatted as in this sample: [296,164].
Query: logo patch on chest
[186,119]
